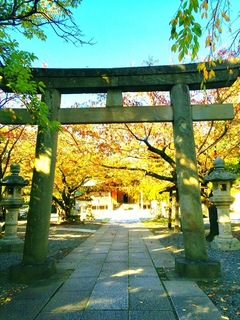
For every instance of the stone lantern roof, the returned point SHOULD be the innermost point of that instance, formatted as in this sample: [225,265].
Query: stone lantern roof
[219,173]
[14,178]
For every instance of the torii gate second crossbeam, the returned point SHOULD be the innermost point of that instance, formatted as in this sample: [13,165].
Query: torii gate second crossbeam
[178,80]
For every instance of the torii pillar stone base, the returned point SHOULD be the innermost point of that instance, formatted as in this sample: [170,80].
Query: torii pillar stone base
[210,269]
[23,273]
[196,263]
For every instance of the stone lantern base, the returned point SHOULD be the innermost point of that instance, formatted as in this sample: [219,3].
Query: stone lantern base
[12,239]
[225,244]
[11,246]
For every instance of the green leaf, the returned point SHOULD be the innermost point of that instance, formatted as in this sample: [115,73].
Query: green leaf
[197,31]
[195,5]
[185,4]
[174,47]
[181,55]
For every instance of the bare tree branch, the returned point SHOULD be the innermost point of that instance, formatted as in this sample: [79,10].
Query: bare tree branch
[147,173]
[157,151]
[16,13]
[215,142]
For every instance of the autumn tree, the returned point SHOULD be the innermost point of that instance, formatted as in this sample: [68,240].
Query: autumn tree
[17,143]
[74,168]
[81,153]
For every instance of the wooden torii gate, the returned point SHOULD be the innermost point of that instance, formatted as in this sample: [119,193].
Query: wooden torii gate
[178,80]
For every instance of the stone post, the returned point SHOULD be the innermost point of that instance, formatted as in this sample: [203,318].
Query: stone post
[110,205]
[141,200]
[35,264]
[222,180]
[196,263]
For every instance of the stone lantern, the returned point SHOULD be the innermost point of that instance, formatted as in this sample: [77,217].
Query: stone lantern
[12,201]
[222,181]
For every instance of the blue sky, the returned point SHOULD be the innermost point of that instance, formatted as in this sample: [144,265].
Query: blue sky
[125,33]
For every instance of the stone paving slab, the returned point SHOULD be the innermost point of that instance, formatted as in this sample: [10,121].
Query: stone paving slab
[141,283]
[182,288]
[69,315]
[26,309]
[105,315]
[149,300]
[195,308]
[145,271]
[190,302]
[68,301]
[151,315]
[74,229]
[109,295]
[74,283]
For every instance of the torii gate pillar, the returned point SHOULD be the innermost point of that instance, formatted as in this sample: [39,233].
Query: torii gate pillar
[196,263]
[35,264]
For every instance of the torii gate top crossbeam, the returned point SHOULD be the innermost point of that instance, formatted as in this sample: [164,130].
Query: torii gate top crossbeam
[118,80]
[135,79]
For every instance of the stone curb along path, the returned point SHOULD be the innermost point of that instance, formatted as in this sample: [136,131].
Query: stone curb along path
[113,275]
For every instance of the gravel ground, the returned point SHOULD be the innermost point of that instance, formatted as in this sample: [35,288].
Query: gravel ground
[224,291]
[61,242]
